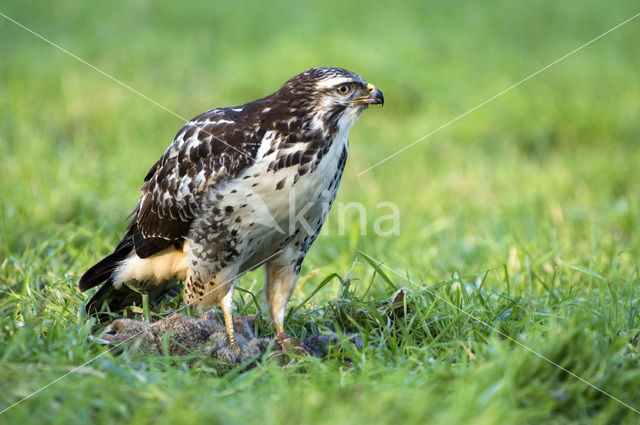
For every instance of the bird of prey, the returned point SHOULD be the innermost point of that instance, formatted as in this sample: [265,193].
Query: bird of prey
[238,188]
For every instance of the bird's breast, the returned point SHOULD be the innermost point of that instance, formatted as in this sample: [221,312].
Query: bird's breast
[269,207]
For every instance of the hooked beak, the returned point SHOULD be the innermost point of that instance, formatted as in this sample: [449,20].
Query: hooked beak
[375,96]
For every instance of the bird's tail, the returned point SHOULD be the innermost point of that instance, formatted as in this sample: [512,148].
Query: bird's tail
[114,294]
[103,271]
[115,300]
[109,299]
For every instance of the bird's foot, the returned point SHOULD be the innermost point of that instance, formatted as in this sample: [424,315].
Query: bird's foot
[292,345]
[236,348]
[234,345]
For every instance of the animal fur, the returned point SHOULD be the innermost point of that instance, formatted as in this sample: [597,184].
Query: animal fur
[180,335]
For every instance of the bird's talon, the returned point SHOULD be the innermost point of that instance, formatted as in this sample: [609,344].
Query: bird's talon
[235,347]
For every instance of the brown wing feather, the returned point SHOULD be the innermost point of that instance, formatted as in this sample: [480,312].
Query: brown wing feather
[216,145]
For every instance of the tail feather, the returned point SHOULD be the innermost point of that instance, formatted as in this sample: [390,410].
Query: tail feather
[113,299]
[103,269]
[118,299]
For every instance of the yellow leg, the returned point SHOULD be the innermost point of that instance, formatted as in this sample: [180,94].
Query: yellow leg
[228,322]
[280,282]
[227,306]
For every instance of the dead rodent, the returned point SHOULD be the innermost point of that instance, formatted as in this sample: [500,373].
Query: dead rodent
[180,335]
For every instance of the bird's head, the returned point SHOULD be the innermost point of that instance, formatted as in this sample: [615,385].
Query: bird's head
[333,97]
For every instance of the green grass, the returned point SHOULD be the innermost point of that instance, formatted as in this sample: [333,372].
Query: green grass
[519,222]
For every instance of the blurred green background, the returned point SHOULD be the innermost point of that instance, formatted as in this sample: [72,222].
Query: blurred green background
[546,173]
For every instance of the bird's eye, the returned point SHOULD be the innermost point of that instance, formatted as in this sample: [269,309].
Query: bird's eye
[343,89]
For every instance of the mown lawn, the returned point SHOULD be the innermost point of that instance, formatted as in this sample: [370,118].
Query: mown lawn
[518,244]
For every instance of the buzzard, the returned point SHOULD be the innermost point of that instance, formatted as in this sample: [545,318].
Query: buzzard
[238,188]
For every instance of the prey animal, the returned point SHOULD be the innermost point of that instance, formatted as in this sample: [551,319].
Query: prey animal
[238,188]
